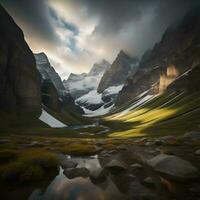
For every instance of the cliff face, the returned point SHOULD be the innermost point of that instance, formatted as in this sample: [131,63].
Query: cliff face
[54,94]
[119,71]
[48,72]
[19,78]
[179,47]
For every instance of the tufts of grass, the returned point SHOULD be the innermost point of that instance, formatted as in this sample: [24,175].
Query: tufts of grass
[79,149]
[7,155]
[33,165]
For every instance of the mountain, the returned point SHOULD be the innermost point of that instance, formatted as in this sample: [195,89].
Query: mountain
[54,94]
[80,84]
[48,72]
[83,87]
[19,78]
[116,75]
[177,52]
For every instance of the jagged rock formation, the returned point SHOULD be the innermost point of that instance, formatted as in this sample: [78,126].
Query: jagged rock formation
[54,94]
[83,87]
[19,78]
[179,47]
[48,72]
[116,75]
[187,82]
[81,84]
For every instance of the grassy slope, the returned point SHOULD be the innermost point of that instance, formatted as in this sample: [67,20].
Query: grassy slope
[163,115]
[30,124]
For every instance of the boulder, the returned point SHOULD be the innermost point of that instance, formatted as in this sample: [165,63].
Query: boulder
[115,166]
[139,192]
[170,139]
[173,167]
[192,135]
[136,166]
[148,181]
[99,175]
[197,152]
[68,164]
[76,172]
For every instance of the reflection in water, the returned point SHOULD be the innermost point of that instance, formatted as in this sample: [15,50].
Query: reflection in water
[62,188]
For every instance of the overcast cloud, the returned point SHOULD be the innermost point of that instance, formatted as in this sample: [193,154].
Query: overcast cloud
[76,33]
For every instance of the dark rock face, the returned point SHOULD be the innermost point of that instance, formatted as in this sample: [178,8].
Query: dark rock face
[19,78]
[119,71]
[48,72]
[54,95]
[50,96]
[189,81]
[179,47]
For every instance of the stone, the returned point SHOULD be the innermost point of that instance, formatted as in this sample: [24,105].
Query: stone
[76,172]
[148,181]
[115,166]
[68,164]
[99,175]
[173,167]
[121,147]
[197,152]
[192,135]
[170,139]
[3,141]
[136,166]
[140,192]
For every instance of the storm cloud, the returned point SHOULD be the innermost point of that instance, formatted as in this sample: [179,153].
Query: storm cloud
[76,33]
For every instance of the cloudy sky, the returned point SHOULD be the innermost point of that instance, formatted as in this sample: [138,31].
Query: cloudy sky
[76,33]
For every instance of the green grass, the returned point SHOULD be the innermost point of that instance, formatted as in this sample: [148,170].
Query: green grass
[28,166]
[163,115]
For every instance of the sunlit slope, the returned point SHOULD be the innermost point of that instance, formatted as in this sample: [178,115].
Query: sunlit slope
[168,113]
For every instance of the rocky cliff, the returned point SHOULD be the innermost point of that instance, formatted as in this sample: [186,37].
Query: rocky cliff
[54,94]
[179,47]
[119,71]
[19,78]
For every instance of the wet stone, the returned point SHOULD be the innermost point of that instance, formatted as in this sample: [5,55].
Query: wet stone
[76,172]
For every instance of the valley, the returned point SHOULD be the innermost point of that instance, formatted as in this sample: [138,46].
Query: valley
[126,129]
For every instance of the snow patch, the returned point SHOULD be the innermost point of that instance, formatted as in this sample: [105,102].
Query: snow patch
[92,97]
[50,120]
[98,112]
[113,90]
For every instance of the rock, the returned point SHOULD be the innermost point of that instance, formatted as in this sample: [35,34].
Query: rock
[141,141]
[54,94]
[139,192]
[115,166]
[68,164]
[100,143]
[136,166]
[149,182]
[19,78]
[192,135]
[197,152]
[118,72]
[173,167]
[76,172]
[121,147]
[170,139]
[3,141]
[149,143]
[195,189]
[99,175]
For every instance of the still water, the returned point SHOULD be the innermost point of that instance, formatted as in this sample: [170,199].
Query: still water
[62,188]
